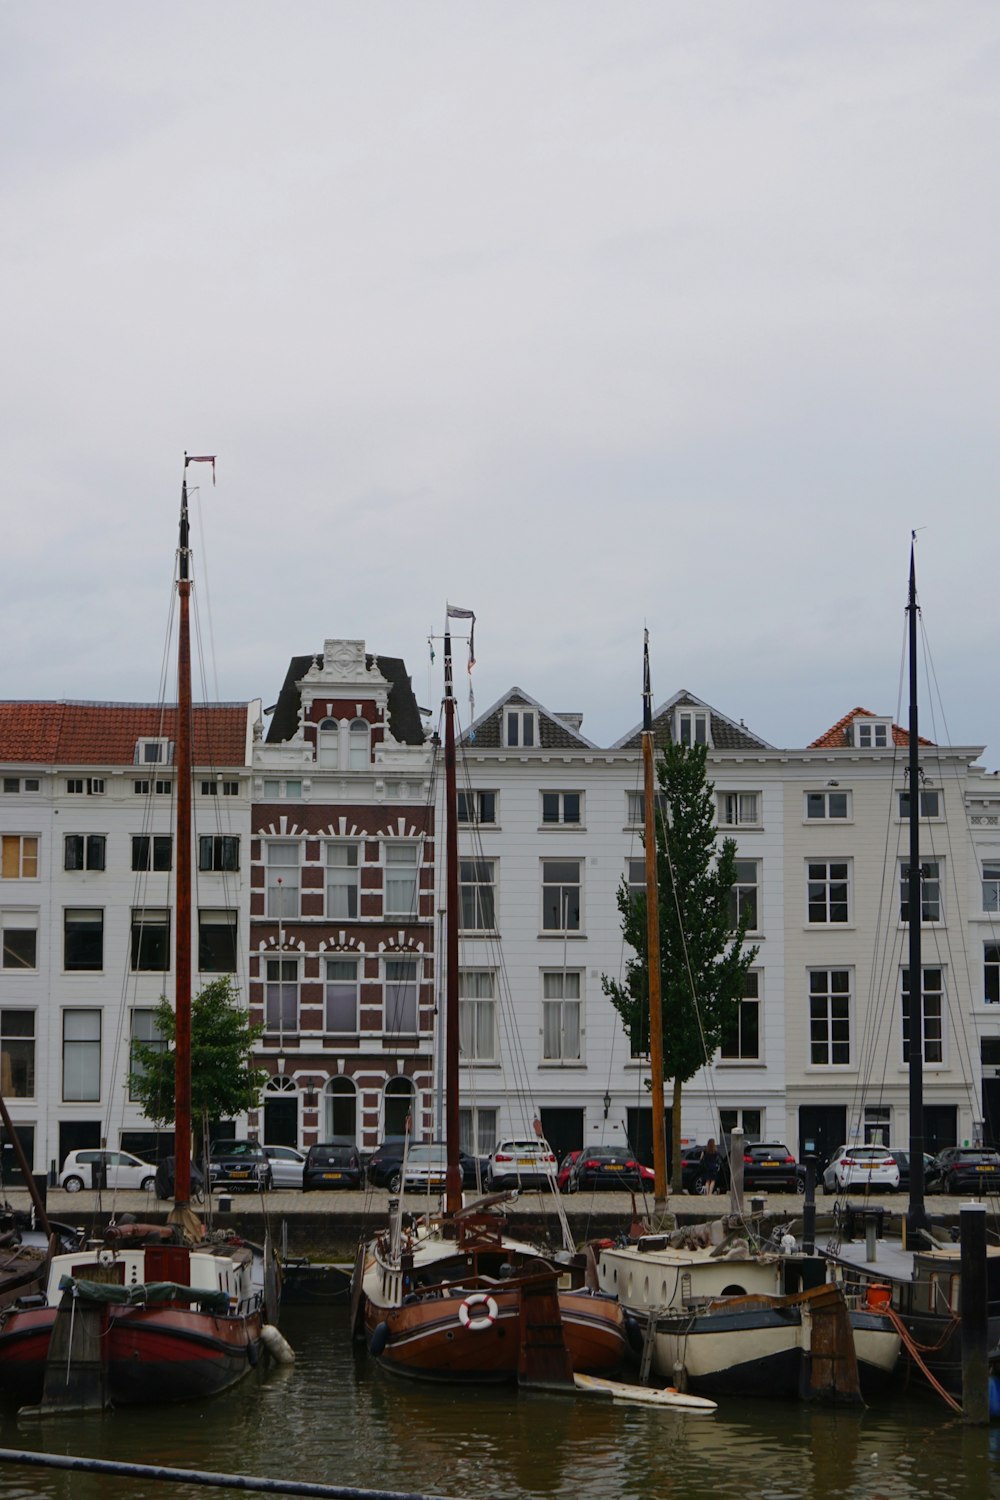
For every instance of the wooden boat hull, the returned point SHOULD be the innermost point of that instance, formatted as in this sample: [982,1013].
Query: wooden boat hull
[149,1354]
[427,1338]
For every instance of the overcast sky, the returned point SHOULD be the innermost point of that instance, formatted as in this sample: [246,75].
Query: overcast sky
[586,316]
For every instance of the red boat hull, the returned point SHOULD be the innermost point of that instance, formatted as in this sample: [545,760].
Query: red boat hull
[151,1354]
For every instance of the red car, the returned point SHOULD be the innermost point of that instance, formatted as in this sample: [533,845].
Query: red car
[565,1167]
[613,1167]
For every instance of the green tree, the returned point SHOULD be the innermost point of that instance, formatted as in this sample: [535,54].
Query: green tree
[223,1082]
[703,960]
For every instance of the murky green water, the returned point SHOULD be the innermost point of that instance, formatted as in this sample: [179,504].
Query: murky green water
[333,1418]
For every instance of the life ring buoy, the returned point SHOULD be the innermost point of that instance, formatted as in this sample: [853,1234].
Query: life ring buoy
[478,1312]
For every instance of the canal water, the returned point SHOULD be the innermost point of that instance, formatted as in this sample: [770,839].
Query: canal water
[333,1417]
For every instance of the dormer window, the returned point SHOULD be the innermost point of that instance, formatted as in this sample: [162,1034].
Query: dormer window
[153,752]
[692,726]
[872,734]
[520,728]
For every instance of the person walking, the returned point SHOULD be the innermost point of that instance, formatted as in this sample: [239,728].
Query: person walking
[711,1165]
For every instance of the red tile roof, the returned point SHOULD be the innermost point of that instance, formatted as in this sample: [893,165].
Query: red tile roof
[91,734]
[835,737]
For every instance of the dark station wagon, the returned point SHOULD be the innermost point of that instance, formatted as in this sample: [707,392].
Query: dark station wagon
[331,1165]
[966,1169]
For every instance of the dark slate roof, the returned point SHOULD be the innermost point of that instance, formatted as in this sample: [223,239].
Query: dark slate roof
[101,734]
[726,734]
[404,715]
[554,733]
[837,737]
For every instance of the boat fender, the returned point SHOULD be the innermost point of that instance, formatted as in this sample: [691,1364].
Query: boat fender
[380,1337]
[478,1312]
[276,1345]
[634,1333]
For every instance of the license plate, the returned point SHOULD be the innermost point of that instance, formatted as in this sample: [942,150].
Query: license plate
[526,1161]
[768,1164]
[984,1169]
[240,1172]
[332,1176]
[614,1166]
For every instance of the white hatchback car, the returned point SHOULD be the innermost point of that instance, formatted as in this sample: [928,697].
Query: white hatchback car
[527,1162]
[861,1167]
[286,1166]
[123,1171]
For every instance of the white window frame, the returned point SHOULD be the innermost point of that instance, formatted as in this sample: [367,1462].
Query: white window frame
[473,800]
[692,726]
[282,982]
[477,895]
[929,795]
[750,1002]
[343,878]
[560,820]
[342,983]
[93,852]
[826,798]
[154,751]
[564,904]
[397,1001]
[20,855]
[478,1129]
[283,878]
[991,885]
[13,919]
[928,883]
[740,889]
[872,734]
[836,1000]
[78,1018]
[520,727]
[562,1026]
[477,1013]
[219,916]
[828,883]
[15,1038]
[934,1016]
[401,862]
[991,973]
[740,809]
[359,745]
[145,1033]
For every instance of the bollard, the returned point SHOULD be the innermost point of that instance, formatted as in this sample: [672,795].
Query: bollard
[871,1237]
[225,1203]
[809,1210]
[975,1334]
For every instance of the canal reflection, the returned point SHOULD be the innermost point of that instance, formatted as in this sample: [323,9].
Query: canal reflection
[333,1418]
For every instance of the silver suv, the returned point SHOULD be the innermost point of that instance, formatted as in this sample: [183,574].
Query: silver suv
[523,1162]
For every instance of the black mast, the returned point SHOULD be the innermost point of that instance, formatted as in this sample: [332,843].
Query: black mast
[916,1218]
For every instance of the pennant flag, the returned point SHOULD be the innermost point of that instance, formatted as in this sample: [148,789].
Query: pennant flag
[201,458]
[454,613]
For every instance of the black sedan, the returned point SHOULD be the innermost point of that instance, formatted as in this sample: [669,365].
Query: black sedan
[611,1167]
[692,1176]
[966,1169]
[239,1165]
[332,1165]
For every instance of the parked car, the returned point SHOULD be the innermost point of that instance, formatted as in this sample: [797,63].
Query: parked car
[967,1169]
[122,1170]
[902,1158]
[286,1165]
[426,1168]
[522,1162]
[239,1164]
[692,1178]
[385,1164]
[565,1167]
[861,1167]
[611,1167]
[165,1180]
[332,1164]
[767,1164]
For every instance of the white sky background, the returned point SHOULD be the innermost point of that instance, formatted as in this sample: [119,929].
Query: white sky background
[587,316]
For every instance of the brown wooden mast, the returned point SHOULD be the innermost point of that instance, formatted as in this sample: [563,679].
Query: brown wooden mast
[182,1000]
[653,941]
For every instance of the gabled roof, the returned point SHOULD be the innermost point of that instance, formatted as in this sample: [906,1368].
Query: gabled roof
[836,737]
[93,734]
[726,733]
[404,716]
[554,733]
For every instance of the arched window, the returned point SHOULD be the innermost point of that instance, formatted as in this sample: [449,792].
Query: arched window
[360,755]
[328,743]
[399,1099]
[340,1108]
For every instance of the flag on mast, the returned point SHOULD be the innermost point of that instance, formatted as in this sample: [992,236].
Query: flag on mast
[201,458]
